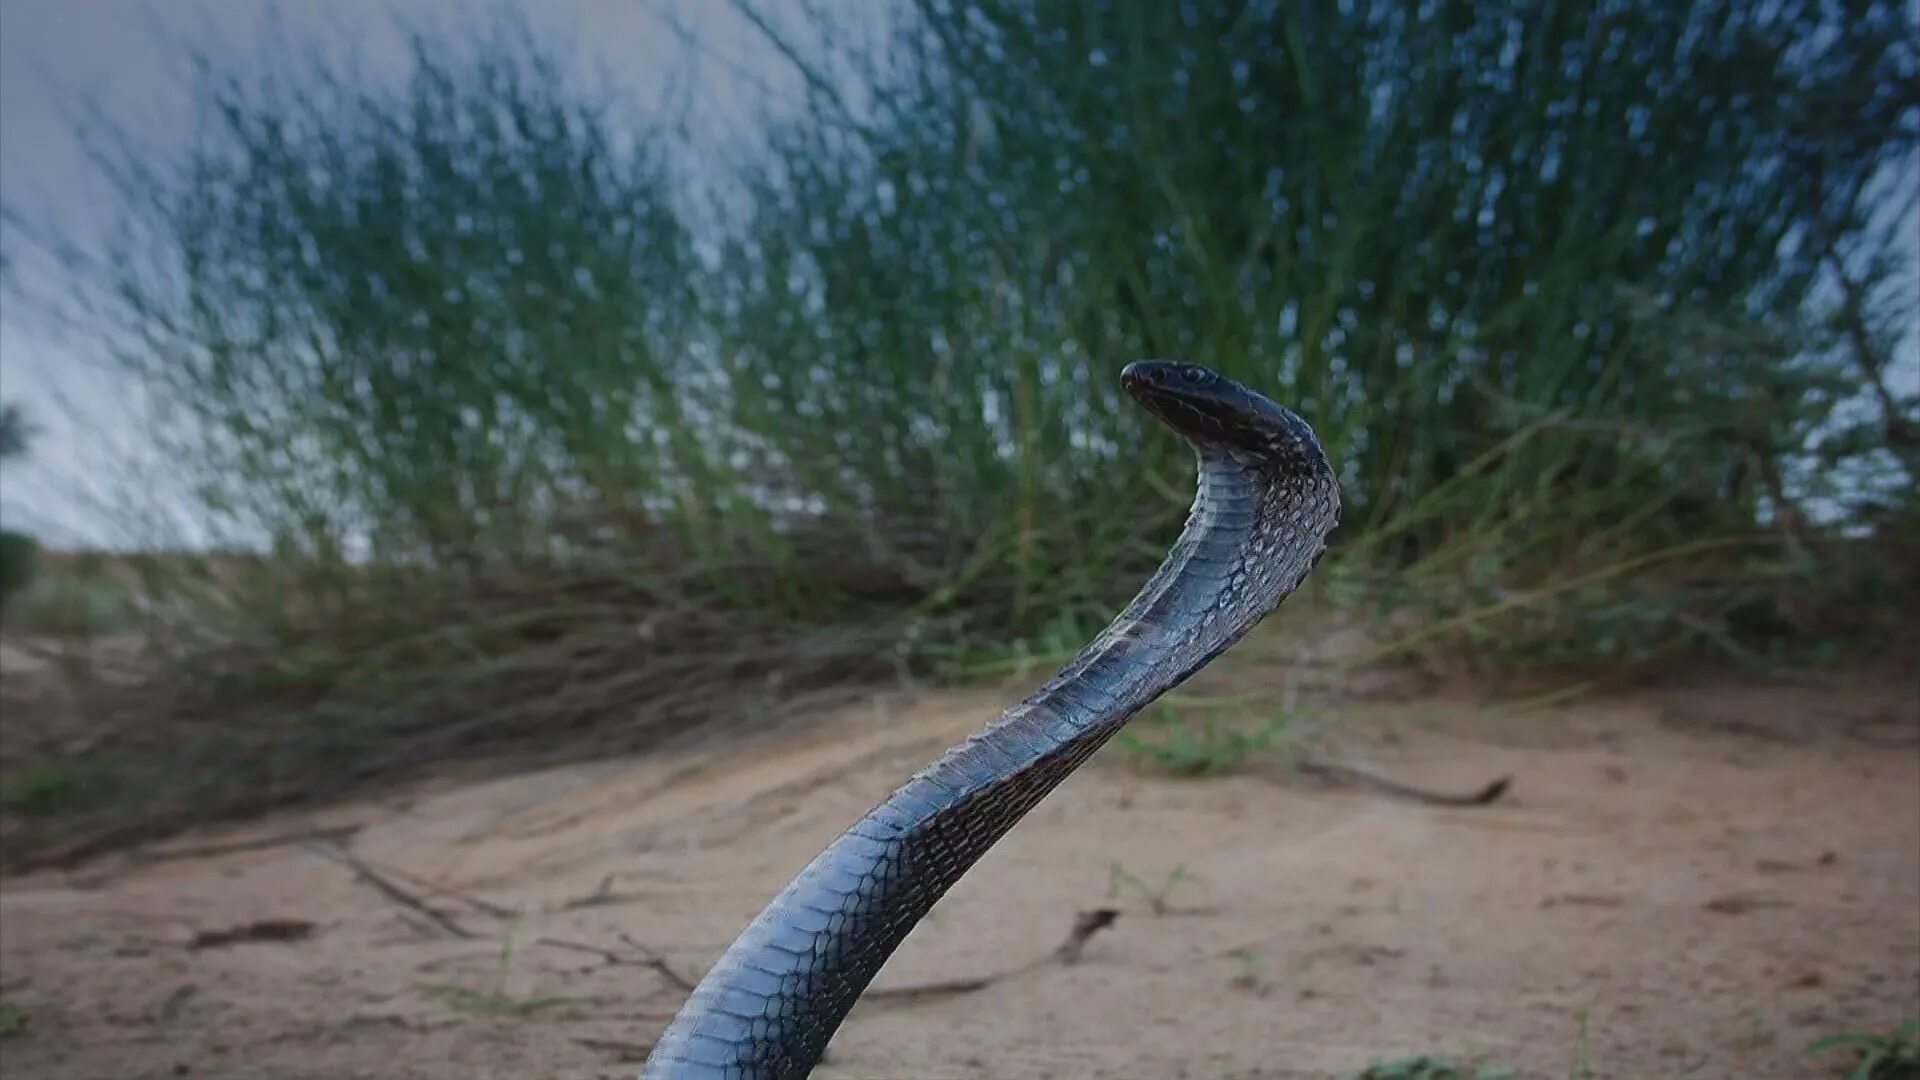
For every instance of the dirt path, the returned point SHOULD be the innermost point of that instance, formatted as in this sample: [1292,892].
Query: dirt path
[1704,880]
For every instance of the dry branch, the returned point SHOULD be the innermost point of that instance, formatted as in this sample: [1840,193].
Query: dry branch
[641,956]
[391,891]
[1485,795]
[1085,925]
[333,835]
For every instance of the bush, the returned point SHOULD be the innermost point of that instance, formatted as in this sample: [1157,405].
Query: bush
[19,558]
[532,437]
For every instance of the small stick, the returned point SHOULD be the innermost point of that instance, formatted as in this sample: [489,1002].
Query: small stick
[608,955]
[1486,795]
[628,1051]
[647,958]
[604,894]
[659,963]
[233,847]
[391,891]
[1085,925]
[498,911]
[939,989]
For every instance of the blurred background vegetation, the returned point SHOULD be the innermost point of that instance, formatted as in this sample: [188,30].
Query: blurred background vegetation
[555,436]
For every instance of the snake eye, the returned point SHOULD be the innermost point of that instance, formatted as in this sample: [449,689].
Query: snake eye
[1196,374]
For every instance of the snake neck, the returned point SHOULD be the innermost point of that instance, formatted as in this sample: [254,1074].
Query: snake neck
[772,1001]
[1201,600]
[1228,569]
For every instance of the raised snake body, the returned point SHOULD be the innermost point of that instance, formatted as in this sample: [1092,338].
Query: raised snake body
[1266,501]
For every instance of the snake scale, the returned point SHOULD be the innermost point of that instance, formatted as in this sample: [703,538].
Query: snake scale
[1266,501]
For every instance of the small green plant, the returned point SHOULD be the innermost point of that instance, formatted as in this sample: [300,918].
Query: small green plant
[1424,1067]
[19,558]
[465,999]
[80,605]
[1877,1056]
[1159,897]
[1251,976]
[1582,1067]
[19,554]
[1202,742]
[42,790]
[13,1020]
[495,1001]
[16,430]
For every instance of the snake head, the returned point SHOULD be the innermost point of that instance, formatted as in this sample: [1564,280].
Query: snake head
[1218,414]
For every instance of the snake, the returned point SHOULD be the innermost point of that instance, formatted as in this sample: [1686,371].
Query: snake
[1265,503]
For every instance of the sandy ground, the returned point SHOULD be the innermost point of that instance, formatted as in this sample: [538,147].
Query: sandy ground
[1699,880]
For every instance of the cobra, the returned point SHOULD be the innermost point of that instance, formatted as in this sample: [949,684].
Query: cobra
[1265,503]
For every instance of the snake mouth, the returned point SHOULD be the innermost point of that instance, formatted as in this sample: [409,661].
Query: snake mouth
[1200,403]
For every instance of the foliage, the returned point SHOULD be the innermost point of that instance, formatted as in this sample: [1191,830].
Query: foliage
[1206,741]
[1425,1067]
[538,441]
[16,430]
[439,323]
[71,598]
[1460,238]
[19,553]
[19,558]
[43,790]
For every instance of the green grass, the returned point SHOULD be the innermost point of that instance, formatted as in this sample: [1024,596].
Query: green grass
[13,1020]
[73,606]
[473,1002]
[496,1001]
[1582,1065]
[1203,740]
[1159,897]
[1424,1067]
[1891,1055]
[43,789]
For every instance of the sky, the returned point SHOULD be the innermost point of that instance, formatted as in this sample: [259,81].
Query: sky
[92,461]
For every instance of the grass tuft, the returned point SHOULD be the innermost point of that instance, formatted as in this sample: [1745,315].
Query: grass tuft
[1424,1067]
[1877,1055]
[1200,741]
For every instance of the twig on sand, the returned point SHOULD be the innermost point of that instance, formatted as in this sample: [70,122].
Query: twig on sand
[654,960]
[1485,795]
[262,930]
[603,895]
[623,1050]
[334,835]
[431,888]
[941,988]
[1085,925]
[641,956]
[388,889]
[66,856]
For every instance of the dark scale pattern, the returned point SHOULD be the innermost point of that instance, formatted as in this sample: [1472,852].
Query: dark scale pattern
[1265,504]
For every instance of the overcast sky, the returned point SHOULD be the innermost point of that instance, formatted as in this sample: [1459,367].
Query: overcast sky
[127,55]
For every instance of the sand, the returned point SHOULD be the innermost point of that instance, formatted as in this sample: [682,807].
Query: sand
[1691,881]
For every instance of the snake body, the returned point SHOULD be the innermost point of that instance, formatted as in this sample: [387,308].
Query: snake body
[1266,501]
